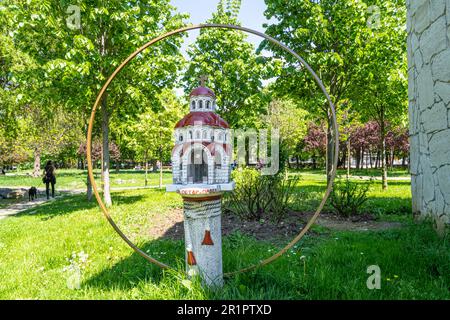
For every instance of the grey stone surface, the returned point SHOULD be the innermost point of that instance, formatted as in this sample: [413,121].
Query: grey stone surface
[439,148]
[433,40]
[421,19]
[429,107]
[437,9]
[425,88]
[435,118]
[443,174]
[442,89]
[441,66]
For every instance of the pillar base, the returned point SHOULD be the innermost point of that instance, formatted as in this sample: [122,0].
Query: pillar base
[203,237]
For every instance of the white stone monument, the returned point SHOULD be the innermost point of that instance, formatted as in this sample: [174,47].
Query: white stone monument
[201,165]
[429,107]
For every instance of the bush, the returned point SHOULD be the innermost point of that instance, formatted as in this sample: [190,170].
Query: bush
[347,197]
[256,195]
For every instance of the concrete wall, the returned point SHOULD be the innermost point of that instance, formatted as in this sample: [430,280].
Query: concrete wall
[429,107]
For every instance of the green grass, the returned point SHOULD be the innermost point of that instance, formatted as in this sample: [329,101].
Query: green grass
[76,179]
[396,172]
[36,251]
[395,200]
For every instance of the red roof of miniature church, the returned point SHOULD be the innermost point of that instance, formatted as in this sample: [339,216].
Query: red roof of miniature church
[204,118]
[202,91]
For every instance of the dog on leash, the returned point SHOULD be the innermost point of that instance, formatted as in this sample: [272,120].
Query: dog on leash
[32,193]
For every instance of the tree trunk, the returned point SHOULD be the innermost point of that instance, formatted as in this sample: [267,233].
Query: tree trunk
[154,168]
[358,159]
[362,158]
[89,189]
[349,158]
[330,148]
[377,160]
[160,174]
[146,170]
[105,153]
[160,167]
[392,158]
[383,152]
[37,162]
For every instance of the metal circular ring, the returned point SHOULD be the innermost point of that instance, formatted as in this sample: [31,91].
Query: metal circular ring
[220,26]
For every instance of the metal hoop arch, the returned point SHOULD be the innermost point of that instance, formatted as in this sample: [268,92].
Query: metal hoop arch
[219,26]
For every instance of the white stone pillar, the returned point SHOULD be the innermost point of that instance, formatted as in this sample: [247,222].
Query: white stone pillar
[203,238]
[428,26]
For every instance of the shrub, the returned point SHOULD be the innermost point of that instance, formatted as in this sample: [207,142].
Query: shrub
[281,194]
[256,195]
[347,197]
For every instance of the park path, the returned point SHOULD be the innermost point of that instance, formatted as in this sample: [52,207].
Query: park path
[379,178]
[19,207]
[16,208]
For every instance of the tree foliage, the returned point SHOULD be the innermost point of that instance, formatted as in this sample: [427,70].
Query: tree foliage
[235,71]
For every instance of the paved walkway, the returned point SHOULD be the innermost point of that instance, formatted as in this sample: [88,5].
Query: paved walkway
[379,178]
[19,207]
[25,205]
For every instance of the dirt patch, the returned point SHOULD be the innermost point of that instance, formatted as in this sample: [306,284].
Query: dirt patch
[170,226]
[364,222]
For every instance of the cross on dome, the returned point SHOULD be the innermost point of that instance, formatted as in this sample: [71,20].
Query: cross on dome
[203,78]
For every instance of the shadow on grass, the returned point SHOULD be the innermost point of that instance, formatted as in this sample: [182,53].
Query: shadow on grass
[71,203]
[129,272]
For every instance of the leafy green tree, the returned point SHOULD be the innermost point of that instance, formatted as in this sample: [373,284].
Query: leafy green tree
[290,119]
[152,135]
[75,59]
[48,135]
[329,35]
[13,62]
[382,96]
[234,70]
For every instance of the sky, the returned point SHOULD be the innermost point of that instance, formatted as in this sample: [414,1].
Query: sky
[251,16]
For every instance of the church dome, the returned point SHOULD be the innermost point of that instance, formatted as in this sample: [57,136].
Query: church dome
[202,91]
[205,118]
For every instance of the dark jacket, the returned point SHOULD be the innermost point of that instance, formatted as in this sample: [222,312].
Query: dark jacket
[49,174]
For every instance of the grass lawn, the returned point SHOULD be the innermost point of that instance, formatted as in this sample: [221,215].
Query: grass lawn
[40,254]
[395,200]
[76,179]
[395,172]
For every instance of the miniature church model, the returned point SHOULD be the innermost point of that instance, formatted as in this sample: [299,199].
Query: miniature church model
[201,170]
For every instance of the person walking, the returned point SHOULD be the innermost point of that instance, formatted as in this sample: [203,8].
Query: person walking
[49,178]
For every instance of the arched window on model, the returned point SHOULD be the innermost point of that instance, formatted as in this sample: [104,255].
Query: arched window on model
[217,167]
[208,104]
[193,105]
[190,135]
[181,137]
[218,161]
[200,104]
